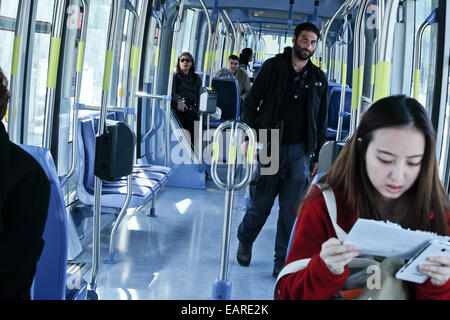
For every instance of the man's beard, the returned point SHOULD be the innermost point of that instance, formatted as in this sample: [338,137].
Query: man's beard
[298,51]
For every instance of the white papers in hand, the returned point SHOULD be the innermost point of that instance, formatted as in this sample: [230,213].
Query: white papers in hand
[387,239]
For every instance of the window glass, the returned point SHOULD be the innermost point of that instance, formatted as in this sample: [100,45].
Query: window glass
[94,59]
[445,157]
[8,12]
[423,8]
[275,44]
[34,127]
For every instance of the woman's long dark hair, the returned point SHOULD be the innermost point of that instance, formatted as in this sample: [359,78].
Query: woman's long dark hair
[191,69]
[349,174]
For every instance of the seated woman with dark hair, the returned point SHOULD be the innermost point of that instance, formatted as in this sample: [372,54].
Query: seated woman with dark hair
[186,93]
[386,171]
[24,199]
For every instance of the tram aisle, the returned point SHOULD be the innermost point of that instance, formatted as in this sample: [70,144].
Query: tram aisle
[176,255]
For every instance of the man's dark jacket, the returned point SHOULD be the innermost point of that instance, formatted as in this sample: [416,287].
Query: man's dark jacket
[268,92]
[24,198]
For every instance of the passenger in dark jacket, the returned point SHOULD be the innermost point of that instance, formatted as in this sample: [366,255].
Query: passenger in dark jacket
[24,200]
[289,93]
[186,93]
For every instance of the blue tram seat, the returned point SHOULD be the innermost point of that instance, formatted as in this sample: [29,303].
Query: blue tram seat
[145,181]
[333,112]
[200,73]
[227,99]
[331,86]
[50,279]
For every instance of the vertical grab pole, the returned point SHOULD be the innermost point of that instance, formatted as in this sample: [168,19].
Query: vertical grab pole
[432,18]
[79,75]
[91,294]
[344,80]
[222,286]
[358,66]
[132,75]
[328,26]
[207,56]
[53,64]
[155,76]
[171,70]
[383,68]
[17,66]
[234,32]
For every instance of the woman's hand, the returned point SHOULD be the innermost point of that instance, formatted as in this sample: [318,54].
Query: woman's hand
[439,273]
[181,106]
[336,255]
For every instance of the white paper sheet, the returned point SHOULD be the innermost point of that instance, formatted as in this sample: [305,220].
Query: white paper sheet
[387,239]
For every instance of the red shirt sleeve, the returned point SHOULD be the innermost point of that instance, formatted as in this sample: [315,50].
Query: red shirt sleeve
[315,281]
[427,290]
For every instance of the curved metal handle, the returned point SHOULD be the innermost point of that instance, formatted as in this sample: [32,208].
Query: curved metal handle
[232,155]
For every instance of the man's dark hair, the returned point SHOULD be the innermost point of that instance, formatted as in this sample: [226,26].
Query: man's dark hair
[233,57]
[4,94]
[306,26]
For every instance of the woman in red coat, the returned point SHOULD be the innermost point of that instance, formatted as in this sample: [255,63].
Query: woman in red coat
[386,171]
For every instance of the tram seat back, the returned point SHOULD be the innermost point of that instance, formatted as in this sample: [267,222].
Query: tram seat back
[331,86]
[200,73]
[146,180]
[50,278]
[227,98]
[333,112]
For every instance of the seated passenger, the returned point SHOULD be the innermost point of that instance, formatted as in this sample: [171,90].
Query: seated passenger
[245,58]
[241,76]
[25,193]
[386,171]
[186,93]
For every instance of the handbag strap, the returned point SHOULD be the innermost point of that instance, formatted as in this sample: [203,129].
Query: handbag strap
[330,201]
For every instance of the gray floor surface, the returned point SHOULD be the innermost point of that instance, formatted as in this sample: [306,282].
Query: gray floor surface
[176,255]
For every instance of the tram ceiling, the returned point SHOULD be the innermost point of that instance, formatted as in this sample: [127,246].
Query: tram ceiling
[272,16]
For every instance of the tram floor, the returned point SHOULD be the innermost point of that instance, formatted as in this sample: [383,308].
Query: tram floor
[176,255]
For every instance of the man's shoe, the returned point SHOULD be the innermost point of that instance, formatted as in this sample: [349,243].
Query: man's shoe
[244,254]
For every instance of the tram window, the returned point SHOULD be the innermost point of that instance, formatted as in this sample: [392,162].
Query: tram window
[444,161]
[94,58]
[187,33]
[8,12]
[423,8]
[276,44]
[34,126]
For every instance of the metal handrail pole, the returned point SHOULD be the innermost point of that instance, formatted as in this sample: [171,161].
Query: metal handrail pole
[132,77]
[330,22]
[234,31]
[52,75]
[98,182]
[79,76]
[177,26]
[222,286]
[17,65]
[343,83]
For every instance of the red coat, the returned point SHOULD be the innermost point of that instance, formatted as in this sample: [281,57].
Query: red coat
[315,281]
